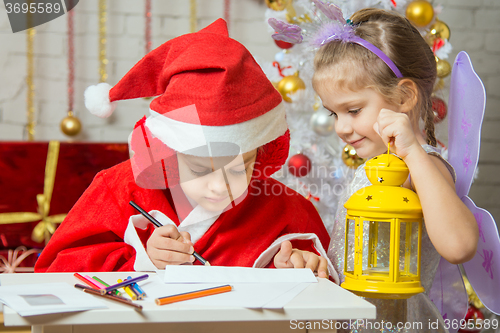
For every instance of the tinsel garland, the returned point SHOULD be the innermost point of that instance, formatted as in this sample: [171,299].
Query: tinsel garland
[227,7]
[30,112]
[147,34]
[193,16]
[103,61]
[71,61]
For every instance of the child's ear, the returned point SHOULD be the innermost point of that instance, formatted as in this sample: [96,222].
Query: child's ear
[409,95]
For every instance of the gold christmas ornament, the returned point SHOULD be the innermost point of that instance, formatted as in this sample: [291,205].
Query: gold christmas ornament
[420,12]
[438,29]
[351,158]
[439,85]
[277,5]
[473,299]
[317,103]
[289,85]
[443,68]
[71,125]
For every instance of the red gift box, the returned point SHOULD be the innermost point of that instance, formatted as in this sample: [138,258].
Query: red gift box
[24,167]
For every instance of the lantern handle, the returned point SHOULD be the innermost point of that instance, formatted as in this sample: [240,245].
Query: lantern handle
[388,151]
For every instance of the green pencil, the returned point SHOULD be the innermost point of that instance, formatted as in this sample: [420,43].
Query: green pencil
[116,291]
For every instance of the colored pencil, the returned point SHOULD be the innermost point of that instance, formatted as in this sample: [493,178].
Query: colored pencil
[81,286]
[110,297]
[129,291]
[117,292]
[158,224]
[137,288]
[201,259]
[134,289]
[89,281]
[97,283]
[193,294]
[126,283]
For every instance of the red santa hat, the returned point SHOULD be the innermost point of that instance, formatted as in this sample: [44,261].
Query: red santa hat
[210,90]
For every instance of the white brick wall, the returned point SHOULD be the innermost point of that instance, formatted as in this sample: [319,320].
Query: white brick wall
[475,28]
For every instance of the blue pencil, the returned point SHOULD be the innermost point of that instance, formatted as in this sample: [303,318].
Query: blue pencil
[136,286]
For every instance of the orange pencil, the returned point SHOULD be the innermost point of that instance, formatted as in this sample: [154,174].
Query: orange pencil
[193,294]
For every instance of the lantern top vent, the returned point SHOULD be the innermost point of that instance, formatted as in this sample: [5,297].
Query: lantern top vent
[386,198]
[386,170]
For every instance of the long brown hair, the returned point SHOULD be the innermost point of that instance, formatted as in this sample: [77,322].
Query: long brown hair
[402,43]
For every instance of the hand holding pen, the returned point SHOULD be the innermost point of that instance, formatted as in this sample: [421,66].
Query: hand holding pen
[168,246]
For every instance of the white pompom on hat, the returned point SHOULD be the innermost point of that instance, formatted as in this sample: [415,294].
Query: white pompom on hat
[97,100]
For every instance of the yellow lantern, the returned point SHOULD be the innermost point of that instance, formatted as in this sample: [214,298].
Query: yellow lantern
[383,234]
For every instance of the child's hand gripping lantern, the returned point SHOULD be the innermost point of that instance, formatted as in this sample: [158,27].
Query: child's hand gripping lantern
[383,234]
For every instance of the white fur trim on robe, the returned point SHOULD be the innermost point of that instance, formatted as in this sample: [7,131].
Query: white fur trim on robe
[271,251]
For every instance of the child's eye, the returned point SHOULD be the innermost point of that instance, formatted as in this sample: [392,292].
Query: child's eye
[200,173]
[354,111]
[333,114]
[238,173]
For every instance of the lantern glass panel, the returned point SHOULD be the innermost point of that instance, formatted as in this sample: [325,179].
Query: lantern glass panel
[351,225]
[408,248]
[414,248]
[376,253]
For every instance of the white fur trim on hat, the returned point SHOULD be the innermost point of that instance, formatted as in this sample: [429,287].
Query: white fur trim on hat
[247,135]
[97,100]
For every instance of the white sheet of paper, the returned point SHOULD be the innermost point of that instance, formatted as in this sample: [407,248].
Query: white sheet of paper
[247,295]
[45,298]
[230,275]
[280,301]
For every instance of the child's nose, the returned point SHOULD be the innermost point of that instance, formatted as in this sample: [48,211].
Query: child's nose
[217,183]
[343,127]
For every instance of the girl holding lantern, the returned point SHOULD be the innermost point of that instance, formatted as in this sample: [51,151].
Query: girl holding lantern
[375,73]
[377,83]
[377,96]
[376,102]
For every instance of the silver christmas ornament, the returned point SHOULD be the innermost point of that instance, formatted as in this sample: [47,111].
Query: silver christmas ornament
[322,123]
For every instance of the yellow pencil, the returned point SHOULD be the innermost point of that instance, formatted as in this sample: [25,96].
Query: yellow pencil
[128,291]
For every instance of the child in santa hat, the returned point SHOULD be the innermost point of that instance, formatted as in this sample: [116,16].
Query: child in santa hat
[200,164]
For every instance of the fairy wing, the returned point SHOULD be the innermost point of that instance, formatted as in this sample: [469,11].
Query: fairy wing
[483,270]
[466,103]
[448,293]
[466,111]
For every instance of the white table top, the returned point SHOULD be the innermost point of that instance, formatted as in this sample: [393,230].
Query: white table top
[319,301]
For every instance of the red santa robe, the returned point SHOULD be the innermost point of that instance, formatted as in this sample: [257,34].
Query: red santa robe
[104,233]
